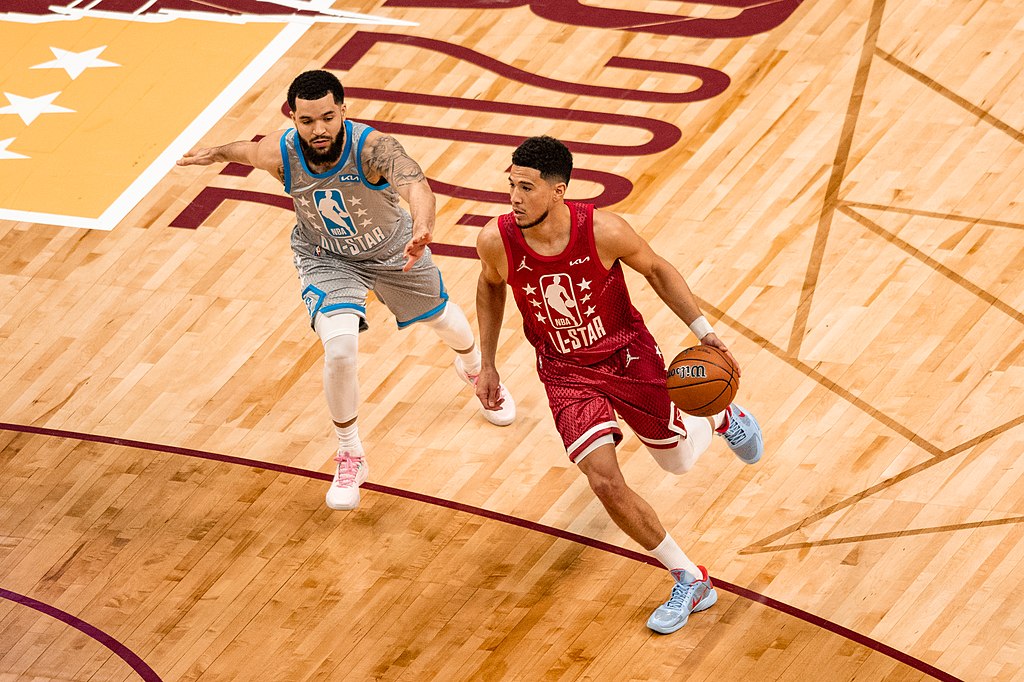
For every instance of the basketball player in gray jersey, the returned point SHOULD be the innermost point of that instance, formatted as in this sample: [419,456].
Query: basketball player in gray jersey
[352,235]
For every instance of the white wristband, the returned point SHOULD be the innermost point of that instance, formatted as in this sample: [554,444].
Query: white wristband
[701,327]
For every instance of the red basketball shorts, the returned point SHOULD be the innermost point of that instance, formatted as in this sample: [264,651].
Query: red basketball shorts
[630,382]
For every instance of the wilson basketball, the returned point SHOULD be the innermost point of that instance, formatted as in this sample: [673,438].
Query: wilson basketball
[702,381]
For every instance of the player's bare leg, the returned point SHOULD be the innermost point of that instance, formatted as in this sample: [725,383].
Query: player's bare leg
[629,511]
[692,589]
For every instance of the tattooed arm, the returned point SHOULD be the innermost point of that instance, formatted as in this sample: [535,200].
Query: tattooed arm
[384,158]
[264,154]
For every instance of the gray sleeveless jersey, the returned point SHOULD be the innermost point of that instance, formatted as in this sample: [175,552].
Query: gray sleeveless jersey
[340,210]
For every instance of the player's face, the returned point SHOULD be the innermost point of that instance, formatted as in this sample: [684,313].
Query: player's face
[532,196]
[318,122]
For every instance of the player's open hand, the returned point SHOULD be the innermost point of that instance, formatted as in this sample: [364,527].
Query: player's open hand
[713,340]
[199,157]
[415,248]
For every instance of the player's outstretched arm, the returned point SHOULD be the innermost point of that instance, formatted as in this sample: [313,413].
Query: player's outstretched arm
[264,154]
[384,157]
[617,240]
[490,310]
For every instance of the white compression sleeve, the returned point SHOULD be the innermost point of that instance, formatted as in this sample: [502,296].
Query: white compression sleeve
[453,328]
[687,451]
[340,336]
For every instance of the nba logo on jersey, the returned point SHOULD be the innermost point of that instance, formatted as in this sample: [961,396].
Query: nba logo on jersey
[560,301]
[331,207]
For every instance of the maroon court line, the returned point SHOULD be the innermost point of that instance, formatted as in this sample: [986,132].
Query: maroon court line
[119,649]
[817,621]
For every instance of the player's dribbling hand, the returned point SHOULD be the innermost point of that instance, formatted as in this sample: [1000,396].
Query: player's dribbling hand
[713,340]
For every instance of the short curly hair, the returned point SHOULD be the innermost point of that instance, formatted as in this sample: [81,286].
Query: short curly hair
[547,155]
[314,85]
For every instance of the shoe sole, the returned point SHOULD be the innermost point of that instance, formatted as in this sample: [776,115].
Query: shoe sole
[704,604]
[497,422]
[342,507]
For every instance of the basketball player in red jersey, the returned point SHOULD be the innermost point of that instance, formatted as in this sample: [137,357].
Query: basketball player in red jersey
[595,356]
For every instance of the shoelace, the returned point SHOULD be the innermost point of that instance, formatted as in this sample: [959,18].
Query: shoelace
[735,434]
[680,595]
[347,469]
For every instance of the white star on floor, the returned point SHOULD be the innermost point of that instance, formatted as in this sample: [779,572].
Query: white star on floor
[4,154]
[76,62]
[29,108]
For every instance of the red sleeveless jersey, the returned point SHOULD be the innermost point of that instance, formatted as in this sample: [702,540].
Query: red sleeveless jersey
[573,307]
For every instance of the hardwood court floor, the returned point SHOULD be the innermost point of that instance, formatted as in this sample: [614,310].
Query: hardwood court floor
[841,188]
[217,571]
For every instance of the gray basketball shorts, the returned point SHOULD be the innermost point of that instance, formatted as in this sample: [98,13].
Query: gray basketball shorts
[334,284]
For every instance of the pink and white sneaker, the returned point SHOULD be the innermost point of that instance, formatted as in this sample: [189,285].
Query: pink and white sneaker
[503,417]
[350,473]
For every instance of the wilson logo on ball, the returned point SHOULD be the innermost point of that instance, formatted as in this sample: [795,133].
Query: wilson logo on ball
[689,372]
[702,381]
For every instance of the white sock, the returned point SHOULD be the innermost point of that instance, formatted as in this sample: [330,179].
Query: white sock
[673,558]
[720,418]
[471,360]
[348,436]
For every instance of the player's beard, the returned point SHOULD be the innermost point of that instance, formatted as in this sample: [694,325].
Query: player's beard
[534,223]
[327,157]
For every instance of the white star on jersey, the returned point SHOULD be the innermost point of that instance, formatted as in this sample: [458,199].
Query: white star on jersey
[530,290]
[584,285]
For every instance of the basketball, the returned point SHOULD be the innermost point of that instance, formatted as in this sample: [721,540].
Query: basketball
[702,381]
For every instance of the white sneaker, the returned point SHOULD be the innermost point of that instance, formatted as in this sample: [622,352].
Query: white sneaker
[503,417]
[348,476]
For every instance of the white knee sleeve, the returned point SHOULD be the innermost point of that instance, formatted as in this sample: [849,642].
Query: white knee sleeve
[328,327]
[453,328]
[687,451]
[340,336]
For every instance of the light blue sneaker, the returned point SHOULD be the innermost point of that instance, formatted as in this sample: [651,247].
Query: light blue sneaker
[743,435]
[689,594]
